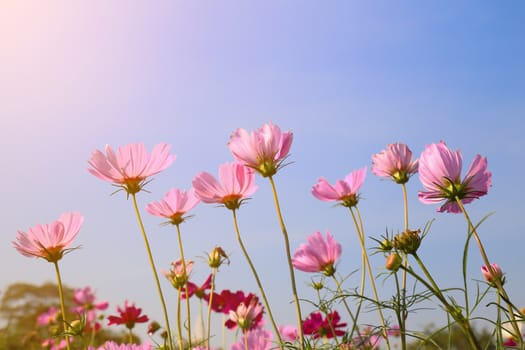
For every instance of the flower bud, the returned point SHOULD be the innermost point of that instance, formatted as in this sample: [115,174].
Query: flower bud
[153,327]
[318,285]
[76,327]
[493,274]
[393,262]
[217,257]
[408,241]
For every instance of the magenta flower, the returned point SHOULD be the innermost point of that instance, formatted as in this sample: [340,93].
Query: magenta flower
[226,300]
[492,276]
[258,339]
[395,162]
[128,316]
[84,298]
[328,327]
[198,291]
[318,255]
[174,205]
[263,150]
[131,165]
[236,183]
[344,191]
[440,174]
[247,315]
[50,241]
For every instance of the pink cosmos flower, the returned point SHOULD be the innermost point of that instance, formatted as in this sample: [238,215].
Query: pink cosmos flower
[289,333]
[394,162]
[318,255]
[177,275]
[84,298]
[54,344]
[128,316]
[364,340]
[328,327]
[440,174]
[111,345]
[258,339]
[174,205]
[236,183]
[50,241]
[131,165]
[48,317]
[344,191]
[263,150]
[492,276]
[247,315]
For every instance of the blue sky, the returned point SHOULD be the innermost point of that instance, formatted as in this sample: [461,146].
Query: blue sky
[346,77]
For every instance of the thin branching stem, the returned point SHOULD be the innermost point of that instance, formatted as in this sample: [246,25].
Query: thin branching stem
[183,260]
[290,266]
[257,279]
[360,233]
[497,281]
[62,306]
[154,269]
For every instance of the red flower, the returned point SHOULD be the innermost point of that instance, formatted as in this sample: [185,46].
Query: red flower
[199,292]
[318,327]
[226,301]
[128,316]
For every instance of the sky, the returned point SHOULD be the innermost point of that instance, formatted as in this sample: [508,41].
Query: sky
[346,77]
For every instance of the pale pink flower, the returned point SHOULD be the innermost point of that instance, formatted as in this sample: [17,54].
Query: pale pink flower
[318,255]
[84,298]
[492,276]
[289,333]
[111,345]
[236,183]
[174,205]
[131,165]
[48,317]
[440,174]
[263,150]
[258,339]
[344,191]
[177,275]
[54,344]
[395,162]
[247,315]
[50,241]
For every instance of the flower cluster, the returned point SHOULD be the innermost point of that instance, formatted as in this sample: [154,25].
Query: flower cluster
[264,152]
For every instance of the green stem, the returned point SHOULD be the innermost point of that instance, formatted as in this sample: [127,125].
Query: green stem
[451,310]
[256,276]
[210,300]
[290,266]
[354,318]
[154,269]
[179,323]
[62,305]
[400,311]
[361,235]
[183,260]
[402,325]
[497,281]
